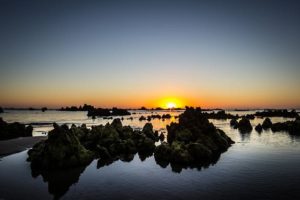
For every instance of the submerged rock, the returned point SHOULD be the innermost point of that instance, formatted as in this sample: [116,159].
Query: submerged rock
[192,140]
[14,130]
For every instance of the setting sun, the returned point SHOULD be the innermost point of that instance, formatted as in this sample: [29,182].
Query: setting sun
[171,105]
[170,102]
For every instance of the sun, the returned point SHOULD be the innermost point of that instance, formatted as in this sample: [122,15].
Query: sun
[171,105]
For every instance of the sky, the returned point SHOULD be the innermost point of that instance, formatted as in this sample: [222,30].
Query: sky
[225,54]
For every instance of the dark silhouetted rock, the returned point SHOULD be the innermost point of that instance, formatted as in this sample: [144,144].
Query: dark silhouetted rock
[267,123]
[142,118]
[293,127]
[161,137]
[14,130]
[166,116]
[250,116]
[244,125]
[234,123]
[44,109]
[259,128]
[220,115]
[148,131]
[278,113]
[103,112]
[1,110]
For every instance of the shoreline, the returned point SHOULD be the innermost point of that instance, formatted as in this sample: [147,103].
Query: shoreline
[12,146]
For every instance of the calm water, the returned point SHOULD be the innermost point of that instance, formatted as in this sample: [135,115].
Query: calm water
[257,166]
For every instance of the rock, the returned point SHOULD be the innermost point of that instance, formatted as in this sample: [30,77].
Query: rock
[148,131]
[103,112]
[61,150]
[142,118]
[244,125]
[1,110]
[192,140]
[199,151]
[234,123]
[267,123]
[14,130]
[277,113]
[161,137]
[220,115]
[44,109]
[163,152]
[103,152]
[293,127]
[259,128]
[166,116]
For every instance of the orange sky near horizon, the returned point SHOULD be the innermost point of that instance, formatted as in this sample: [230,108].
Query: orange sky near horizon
[136,100]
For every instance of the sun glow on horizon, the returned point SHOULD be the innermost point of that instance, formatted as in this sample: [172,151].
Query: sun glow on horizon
[171,103]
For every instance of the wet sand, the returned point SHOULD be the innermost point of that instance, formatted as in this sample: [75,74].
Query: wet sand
[16,145]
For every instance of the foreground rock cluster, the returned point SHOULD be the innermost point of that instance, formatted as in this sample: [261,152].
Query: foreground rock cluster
[77,146]
[194,140]
[14,130]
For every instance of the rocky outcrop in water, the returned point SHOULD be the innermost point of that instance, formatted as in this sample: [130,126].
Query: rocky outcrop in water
[243,125]
[102,112]
[77,146]
[277,113]
[85,107]
[14,130]
[234,123]
[266,123]
[193,140]
[61,150]
[220,115]
[258,128]
[1,110]
[293,127]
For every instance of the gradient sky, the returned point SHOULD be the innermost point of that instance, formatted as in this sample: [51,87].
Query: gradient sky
[229,54]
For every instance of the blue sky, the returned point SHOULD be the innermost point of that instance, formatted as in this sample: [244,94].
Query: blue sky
[133,53]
